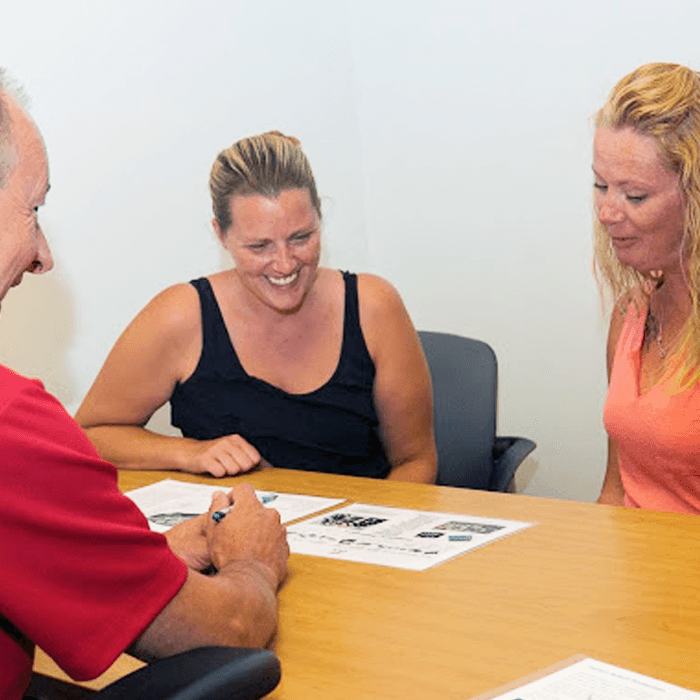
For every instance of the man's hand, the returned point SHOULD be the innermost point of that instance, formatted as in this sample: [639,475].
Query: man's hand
[237,606]
[189,541]
[249,532]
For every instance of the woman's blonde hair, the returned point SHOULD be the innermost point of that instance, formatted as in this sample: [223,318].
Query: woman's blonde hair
[661,100]
[266,164]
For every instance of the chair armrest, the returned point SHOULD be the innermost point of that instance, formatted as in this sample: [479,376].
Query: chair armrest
[508,453]
[207,673]
[43,687]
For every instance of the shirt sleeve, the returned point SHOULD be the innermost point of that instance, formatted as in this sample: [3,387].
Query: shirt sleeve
[82,574]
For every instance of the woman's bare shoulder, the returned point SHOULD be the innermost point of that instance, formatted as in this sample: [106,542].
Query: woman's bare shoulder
[635,297]
[172,312]
[377,295]
[385,322]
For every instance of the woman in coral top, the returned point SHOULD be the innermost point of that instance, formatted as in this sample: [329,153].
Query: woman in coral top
[647,197]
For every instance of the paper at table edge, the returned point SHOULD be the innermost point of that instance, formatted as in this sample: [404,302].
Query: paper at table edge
[162,490]
[529,678]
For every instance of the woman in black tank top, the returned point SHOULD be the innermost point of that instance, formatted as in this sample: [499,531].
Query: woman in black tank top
[277,361]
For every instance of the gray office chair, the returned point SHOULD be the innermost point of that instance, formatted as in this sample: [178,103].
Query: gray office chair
[465,381]
[207,673]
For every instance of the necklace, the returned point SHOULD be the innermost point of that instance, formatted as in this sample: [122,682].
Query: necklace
[652,332]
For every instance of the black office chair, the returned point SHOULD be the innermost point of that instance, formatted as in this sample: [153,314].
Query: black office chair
[207,673]
[465,380]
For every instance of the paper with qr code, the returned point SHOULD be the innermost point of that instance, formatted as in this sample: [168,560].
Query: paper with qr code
[405,539]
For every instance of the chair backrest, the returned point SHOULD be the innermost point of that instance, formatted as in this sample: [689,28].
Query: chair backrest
[464,374]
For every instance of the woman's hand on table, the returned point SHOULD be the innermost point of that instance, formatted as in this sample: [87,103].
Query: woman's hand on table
[225,456]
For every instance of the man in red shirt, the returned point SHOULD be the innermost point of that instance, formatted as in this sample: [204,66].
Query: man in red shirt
[82,574]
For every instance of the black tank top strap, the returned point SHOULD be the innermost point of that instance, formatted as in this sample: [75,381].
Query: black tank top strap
[354,348]
[218,353]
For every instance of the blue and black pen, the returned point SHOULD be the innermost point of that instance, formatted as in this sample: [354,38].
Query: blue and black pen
[219,515]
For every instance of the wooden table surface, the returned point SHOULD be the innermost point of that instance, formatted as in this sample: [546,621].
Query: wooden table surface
[619,585]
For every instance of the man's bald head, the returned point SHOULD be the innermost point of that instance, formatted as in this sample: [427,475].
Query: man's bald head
[6,150]
[8,154]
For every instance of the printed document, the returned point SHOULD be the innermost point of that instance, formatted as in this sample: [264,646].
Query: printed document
[589,679]
[406,539]
[169,502]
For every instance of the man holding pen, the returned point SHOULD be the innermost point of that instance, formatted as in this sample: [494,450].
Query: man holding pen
[82,575]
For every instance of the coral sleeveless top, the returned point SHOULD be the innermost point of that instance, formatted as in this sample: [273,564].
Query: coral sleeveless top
[332,429]
[657,432]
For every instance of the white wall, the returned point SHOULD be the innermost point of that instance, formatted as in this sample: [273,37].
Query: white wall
[451,140]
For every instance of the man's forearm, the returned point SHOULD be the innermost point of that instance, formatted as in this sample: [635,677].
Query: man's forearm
[235,607]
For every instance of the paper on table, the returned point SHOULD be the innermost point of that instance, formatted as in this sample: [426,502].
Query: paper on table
[169,502]
[589,679]
[406,539]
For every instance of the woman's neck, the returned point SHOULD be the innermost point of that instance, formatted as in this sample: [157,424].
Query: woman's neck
[669,309]
[671,298]
[269,320]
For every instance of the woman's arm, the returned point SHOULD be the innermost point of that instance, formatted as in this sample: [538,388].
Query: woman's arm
[612,492]
[160,347]
[402,390]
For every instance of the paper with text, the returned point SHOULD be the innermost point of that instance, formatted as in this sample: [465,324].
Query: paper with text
[406,539]
[589,679]
[169,502]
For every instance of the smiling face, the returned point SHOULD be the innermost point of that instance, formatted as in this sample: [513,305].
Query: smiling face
[23,247]
[275,243]
[638,200]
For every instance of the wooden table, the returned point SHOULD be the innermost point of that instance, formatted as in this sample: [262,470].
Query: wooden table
[619,585]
